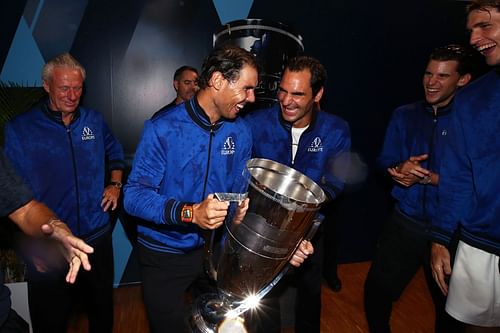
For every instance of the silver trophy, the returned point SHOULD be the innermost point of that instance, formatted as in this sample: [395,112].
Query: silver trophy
[282,207]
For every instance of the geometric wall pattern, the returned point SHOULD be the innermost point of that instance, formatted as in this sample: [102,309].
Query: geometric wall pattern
[46,28]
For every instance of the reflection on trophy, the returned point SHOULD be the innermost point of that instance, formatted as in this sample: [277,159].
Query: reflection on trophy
[283,204]
[272,43]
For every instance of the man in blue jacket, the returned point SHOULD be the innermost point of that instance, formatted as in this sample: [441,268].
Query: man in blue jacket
[64,151]
[469,185]
[412,153]
[185,155]
[295,133]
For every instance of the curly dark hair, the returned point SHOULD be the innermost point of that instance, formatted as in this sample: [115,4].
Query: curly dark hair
[228,60]
[317,70]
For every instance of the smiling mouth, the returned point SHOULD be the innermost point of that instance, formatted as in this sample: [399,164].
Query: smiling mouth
[485,47]
[239,106]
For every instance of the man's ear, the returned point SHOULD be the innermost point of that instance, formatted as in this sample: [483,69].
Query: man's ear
[176,85]
[216,80]
[46,86]
[464,79]
[318,96]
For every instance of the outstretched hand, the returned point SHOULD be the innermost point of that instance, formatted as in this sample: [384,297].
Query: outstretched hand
[73,248]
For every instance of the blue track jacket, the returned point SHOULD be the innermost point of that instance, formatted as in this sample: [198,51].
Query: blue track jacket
[181,159]
[469,183]
[66,166]
[415,130]
[322,144]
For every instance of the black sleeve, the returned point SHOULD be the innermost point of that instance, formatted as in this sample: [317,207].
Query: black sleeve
[13,192]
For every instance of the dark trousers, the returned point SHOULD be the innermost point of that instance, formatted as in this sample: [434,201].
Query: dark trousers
[330,261]
[307,279]
[51,298]
[165,279]
[400,254]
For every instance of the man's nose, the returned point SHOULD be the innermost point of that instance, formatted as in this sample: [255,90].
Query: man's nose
[72,94]
[475,36]
[250,96]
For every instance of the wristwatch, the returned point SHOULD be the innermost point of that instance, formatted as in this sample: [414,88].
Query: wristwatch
[116,184]
[187,213]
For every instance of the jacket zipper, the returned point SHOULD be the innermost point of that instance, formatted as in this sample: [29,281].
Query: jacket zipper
[209,235]
[75,176]
[429,160]
[212,134]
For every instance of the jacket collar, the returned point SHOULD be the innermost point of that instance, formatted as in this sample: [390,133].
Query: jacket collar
[200,117]
[56,116]
[441,111]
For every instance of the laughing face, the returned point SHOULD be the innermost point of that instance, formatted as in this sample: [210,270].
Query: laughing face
[233,95]
[441,80]
[484,26]
[296,97]
[65,89]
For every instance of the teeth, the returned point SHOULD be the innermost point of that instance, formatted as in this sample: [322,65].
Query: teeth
[481,48]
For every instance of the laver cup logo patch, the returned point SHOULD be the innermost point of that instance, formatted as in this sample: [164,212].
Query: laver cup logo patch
[87,134]
[316,145]
[228,148]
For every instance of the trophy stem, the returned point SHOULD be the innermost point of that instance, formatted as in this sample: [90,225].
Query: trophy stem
[210,311]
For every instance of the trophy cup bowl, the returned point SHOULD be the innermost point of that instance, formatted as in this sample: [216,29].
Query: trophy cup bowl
[283,203]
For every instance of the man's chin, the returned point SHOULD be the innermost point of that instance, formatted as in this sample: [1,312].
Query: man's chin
[288,119]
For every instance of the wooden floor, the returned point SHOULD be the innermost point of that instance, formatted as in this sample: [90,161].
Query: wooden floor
[341,312]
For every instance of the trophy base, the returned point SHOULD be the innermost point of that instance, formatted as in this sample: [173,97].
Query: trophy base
[209,316]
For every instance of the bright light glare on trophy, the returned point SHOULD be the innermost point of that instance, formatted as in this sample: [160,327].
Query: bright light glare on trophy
[249,303]
[252,301]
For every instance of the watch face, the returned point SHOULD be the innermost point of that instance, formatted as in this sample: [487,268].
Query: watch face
[187,213]
[116,184]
